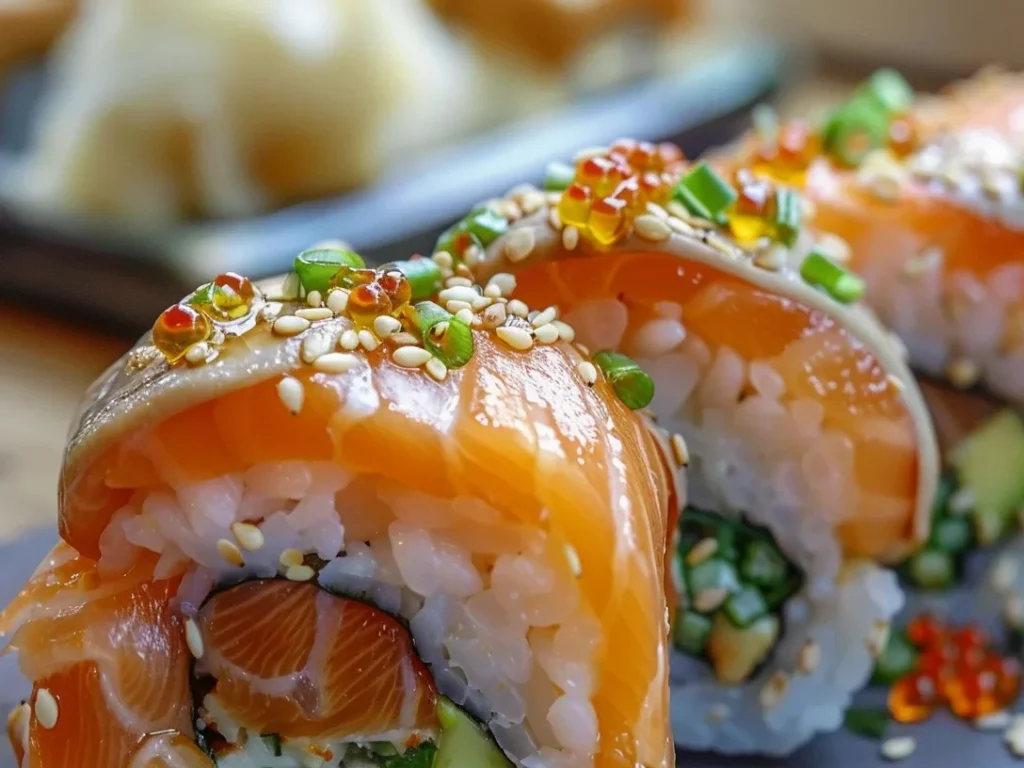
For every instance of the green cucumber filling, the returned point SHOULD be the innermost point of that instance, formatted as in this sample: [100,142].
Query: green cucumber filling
[736,581]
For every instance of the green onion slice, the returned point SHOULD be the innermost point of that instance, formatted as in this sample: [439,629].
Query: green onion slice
[705,193]
[867,721]
[889,90]
[630,382]
[856,129]
[486,225]
[558,177]
[316,266]
[788,213]
[842,285]
[453,346]
[424,276]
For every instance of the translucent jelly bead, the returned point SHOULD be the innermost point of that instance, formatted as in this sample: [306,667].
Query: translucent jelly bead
[797,146]
[368,302]
[913,698]
[239,285]
[350,277]
[574,207]
[232,296]
[903,139]
[669,155]
[607,222]
[601,174]
[397,287]
[178,329]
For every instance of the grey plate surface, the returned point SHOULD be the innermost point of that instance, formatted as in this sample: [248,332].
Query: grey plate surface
[943,742]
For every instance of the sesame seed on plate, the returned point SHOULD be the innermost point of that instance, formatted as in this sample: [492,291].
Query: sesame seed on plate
[899,748]
[519,244]
[337,301]
[230,552]
[587,372]
[679,450]
[336,362]
[299,573]
[995,721]
[385,325]
[570,238]
[194,638]
[46,709]
[248,535]
[517,338]
[367,340]
[314,299]
[436,369]
[410,357]
[290,325]
[290,557]
[291,393]
[349,340]
[313,314]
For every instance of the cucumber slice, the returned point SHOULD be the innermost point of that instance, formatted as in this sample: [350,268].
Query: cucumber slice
[691,632]
[951,534]
[932,569]
[712,574]
[745,607]
[763,564]
[898,659]
[463,742]
[988,463]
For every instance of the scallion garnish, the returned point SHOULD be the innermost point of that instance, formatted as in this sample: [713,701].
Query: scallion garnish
[316,266]
[558,177]
[889,90]
[424,276]
[855,129]
[788,213]
[867,721]
[630,382]
[486,225]
[451,343]
[705,193]
[842,285]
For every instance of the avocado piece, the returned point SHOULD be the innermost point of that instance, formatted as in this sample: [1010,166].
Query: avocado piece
[464,743]
[989,462]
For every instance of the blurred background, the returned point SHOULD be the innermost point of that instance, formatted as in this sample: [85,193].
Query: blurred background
[146,145]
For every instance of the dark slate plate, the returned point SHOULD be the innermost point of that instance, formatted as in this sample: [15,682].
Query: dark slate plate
[942,742]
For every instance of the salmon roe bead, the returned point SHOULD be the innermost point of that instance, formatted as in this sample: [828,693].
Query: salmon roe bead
[924,630]
[913,698]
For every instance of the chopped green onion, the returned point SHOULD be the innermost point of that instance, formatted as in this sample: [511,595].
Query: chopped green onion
[424,276]
[691,632]
[454,345]
[712,574]
[855,129]
[842,285]
[898,659]
[558,177]
[763,564]
[705,193]
[630,382]
[486,225]
[766,123]
[779,594]
[889,90]
[867,721]
[272,742]
[951,534]
[932,569]
[316,266]
[788,213]
[745,607]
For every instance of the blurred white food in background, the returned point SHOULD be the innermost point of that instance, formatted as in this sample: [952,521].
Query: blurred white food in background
[163,108]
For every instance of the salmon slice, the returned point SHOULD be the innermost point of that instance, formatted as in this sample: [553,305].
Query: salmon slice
[817,359]
[292,660]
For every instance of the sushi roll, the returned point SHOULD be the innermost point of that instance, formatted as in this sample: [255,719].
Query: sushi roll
[812,463]
[325,521]
[925,193]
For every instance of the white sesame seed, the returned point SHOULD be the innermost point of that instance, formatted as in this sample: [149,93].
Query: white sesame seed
[1004,574]
[271,310]
[230,552]
[436,369]
[554,219]
[291,393]
[194,638]
[710,599]
[504,282]
[878,638]
[494,316]
[314,345]
[996,721]
[291,288]
[403,339]
[899,748]
[46,709]
[299,573]
[719,713]
[518,244]
[652,228]
[464,316]
[248,535]
[774,690]
[656,210]
[531,202]
[313,314]
[809,659]
[1015,741]
[411,357]
[367,340]
[455,282]
[290,557]
[570,238]
[197,354]
[677,210]
[1016,726]
[701,551]
[438,330]
[565,331]
[443,259]
[336,362]
[574,560]
[337,301]
[290,325]
[481,303]
[517,308]
[679,450]
[587,372]
[546,334]
[458,293]
[515,337]
[314,299]
[545,317]
[385,325]
[963,373]
[492,291]
[455,306]
[349,340]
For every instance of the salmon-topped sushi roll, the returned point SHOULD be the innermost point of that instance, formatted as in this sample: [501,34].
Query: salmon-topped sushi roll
[811,460]
[329,521]
[926,194]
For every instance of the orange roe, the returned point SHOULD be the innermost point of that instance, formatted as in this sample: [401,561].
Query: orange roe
[178,329]
[956,667]
[611,189]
